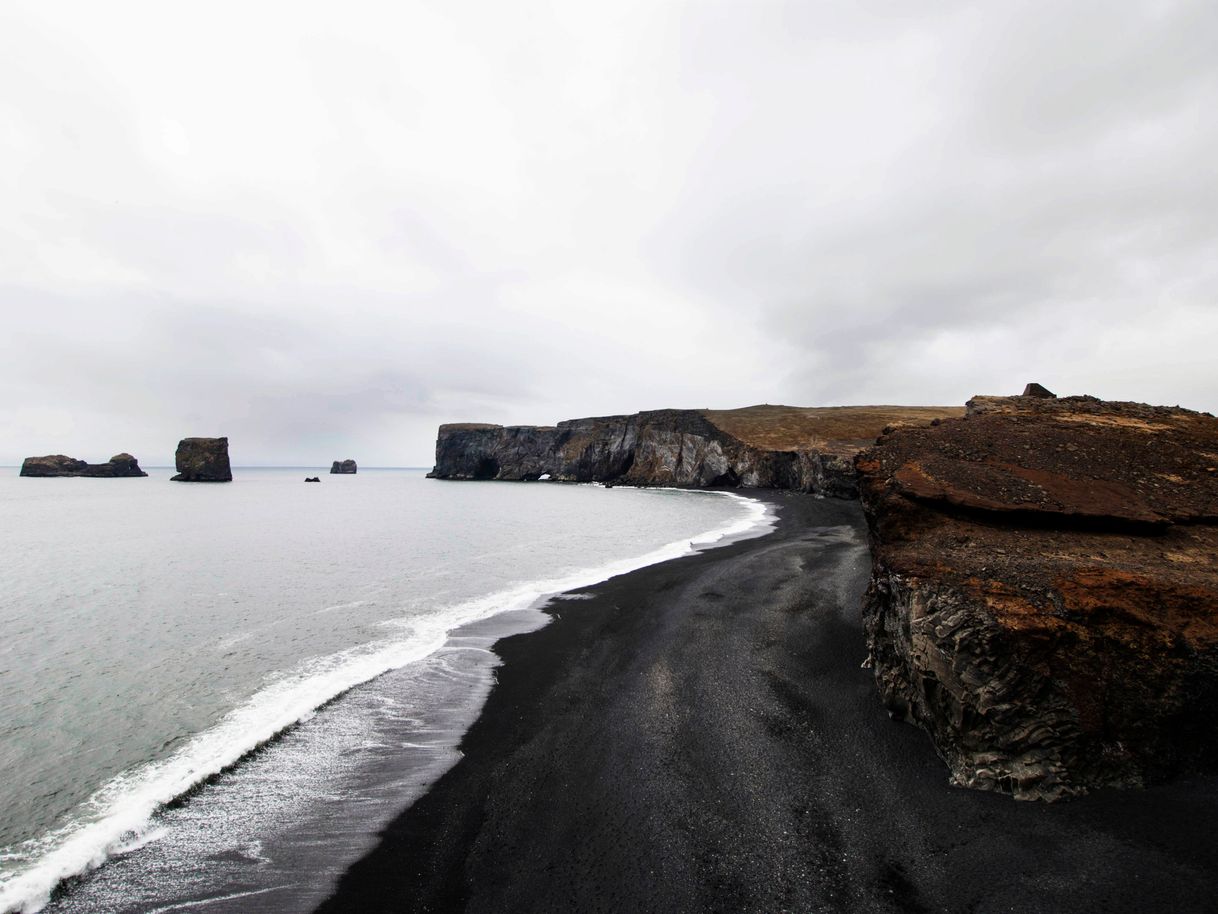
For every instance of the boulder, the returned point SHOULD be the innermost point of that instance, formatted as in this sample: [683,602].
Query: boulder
[203,460]
[343,467]
[1044,591]
[120,465]
[312,479]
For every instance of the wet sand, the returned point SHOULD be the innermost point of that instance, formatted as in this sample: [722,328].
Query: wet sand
[699,736]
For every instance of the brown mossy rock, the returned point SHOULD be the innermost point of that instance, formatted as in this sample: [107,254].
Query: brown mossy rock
[118,466]
[203,460]
[1044,597]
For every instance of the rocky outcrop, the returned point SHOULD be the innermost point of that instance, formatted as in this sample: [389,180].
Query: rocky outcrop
[203,460]
[343,466]
[807,450]
[120,465]
[1033,389]
[1044,597]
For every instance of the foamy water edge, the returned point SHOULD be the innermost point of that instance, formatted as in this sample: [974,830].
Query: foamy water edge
[118,817]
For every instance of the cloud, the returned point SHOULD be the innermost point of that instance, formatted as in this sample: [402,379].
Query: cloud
[323,232]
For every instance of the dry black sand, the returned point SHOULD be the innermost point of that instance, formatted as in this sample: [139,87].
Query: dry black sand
[698,736]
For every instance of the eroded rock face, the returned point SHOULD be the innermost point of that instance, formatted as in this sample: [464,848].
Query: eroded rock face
[675,448]
[120,465]
[1044,597]
[343,466]
[203,460]
[664,447]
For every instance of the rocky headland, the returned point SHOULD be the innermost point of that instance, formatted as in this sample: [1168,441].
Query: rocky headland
[203,460]
[1044,596]
[120,465]
[806,450]
[344,467]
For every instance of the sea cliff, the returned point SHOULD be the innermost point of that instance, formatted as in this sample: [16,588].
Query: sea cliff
[806,450]
[1044,598]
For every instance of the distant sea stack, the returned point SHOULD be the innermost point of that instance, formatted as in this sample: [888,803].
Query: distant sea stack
[1044,590]
[120,465]
[343,466]
[784,447]
[203,460]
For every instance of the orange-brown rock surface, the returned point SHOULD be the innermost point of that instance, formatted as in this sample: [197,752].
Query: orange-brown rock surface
[1044,595]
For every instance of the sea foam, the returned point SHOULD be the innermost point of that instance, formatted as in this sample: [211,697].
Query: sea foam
[119,817]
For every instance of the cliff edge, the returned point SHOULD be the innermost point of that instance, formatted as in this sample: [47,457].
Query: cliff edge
[807,450]
[1044,596]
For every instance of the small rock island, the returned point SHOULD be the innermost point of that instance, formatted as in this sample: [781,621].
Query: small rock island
[120,465]
[343,467]
[203,460]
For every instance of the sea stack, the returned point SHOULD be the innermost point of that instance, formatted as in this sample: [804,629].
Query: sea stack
[120,465]
[343,467]
[1044,598]
[203,460]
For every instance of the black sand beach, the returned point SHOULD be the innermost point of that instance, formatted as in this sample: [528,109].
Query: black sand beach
[699,736]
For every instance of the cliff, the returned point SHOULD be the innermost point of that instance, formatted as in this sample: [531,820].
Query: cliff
[120,465]
[202,460]
[808,450]
[1044,596]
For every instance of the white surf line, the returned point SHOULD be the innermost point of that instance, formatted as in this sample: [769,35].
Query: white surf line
[125,806]
[196,903]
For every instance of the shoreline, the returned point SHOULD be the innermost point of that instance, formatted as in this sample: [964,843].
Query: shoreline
[698,735]
[518,612]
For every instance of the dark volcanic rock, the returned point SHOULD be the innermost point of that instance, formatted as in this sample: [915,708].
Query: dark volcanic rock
[203,460]
[343,466]
[1044,596]
[1035,390]
[664,447]
[312,479]
[120,465]
[771,447]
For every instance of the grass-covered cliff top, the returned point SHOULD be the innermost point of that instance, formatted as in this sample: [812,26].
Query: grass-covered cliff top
[829,429]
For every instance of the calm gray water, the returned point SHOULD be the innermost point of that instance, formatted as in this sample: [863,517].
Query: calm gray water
[153,633]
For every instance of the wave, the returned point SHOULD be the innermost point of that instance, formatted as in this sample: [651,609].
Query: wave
[119,817]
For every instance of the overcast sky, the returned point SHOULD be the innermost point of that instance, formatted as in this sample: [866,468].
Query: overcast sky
[322,230]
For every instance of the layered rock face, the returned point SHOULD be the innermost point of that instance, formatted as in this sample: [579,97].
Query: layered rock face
[343,466]
[203,460]
[807,450]
[120,465]
[1044,596]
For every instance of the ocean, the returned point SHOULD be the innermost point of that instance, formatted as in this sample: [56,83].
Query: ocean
[212,696]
